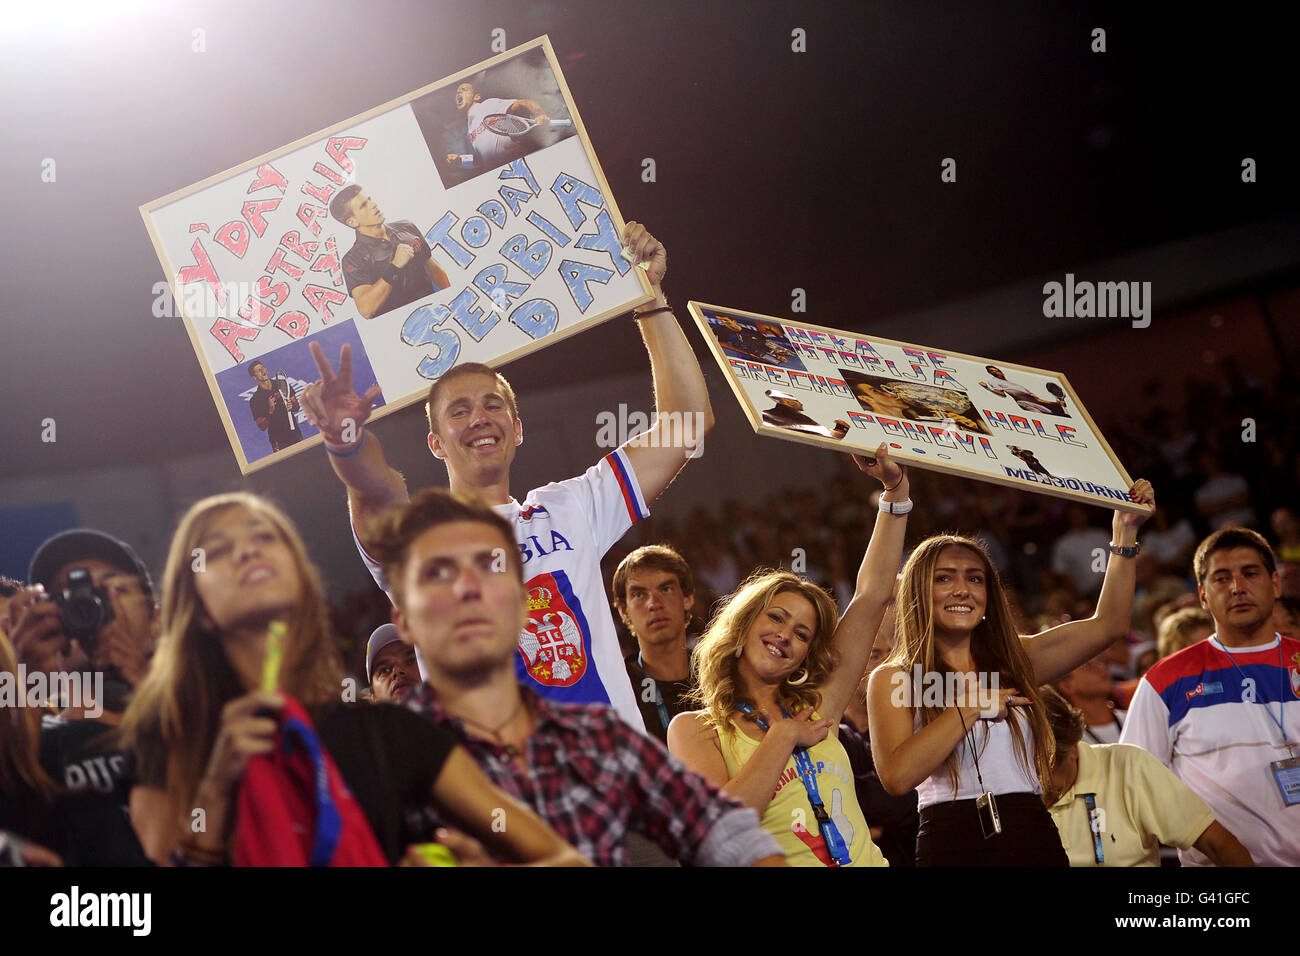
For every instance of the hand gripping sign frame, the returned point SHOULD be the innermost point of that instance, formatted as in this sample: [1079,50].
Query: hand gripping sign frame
[959,414]
[514,244]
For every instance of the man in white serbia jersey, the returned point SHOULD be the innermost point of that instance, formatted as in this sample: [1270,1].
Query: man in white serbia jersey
[1224,714]
[568,650]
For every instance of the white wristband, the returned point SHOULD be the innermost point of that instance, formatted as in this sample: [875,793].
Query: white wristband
[898,508]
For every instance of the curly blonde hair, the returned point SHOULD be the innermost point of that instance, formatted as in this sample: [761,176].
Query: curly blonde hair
[716,655]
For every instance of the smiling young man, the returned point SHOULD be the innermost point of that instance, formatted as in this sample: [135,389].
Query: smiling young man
[654,592]
[1224,714]
[568,648]
[459,595]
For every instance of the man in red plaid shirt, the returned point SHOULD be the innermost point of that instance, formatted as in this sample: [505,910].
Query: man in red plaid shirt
[457,583]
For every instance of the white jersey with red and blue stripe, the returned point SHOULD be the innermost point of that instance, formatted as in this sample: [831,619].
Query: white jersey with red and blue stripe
[1212,716]
[568,650]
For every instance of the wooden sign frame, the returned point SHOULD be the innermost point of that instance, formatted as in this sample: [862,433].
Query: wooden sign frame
[849,391]
[256,326]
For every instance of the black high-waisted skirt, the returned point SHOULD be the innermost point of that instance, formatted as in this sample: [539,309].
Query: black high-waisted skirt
[950,835]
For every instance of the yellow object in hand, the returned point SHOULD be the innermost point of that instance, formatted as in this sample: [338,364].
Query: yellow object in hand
[435,854]
[274,654]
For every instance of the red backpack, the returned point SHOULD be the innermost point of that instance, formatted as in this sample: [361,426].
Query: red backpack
[294,808]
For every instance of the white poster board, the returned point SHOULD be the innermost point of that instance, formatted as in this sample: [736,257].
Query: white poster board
[954,413]
[514,242]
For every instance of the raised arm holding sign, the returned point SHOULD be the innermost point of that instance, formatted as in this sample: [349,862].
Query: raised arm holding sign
[956,711]
[936,409]
[569,649]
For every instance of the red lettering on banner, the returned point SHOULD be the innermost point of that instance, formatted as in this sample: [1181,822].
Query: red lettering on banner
[329,173]
[198,227]
[256,312]
[254,213]
[293,242]
[277,262]
[329,262]
[268,175]
[1067,433]
[857,418]
[308,214]
[202,271]
[322,298]
[234,236]
[230,333]
[338,147]
[275,294]
[293,324]
[323,193]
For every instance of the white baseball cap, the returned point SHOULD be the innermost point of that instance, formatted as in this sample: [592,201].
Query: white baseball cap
[383,635]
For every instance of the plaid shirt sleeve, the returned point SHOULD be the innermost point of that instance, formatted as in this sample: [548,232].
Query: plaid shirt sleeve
[674,807]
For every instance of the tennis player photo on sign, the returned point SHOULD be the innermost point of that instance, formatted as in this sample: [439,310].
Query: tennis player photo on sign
[494,115]
[364,235]
[851,391]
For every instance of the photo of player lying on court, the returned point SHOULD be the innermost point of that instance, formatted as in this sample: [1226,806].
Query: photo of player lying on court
[914,401]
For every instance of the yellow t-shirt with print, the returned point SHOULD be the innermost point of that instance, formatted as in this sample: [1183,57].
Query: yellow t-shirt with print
[789,817]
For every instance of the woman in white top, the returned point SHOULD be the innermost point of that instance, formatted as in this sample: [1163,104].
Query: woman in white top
[956,712]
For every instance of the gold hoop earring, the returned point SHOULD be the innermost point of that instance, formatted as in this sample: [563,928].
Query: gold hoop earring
[801,680]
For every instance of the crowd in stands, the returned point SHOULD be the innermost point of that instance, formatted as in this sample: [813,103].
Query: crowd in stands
[894,668]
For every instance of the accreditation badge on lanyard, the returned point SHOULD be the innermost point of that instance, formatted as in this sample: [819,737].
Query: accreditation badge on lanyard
[1286,773]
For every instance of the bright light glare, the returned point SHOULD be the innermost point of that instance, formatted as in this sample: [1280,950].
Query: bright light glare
[51,19]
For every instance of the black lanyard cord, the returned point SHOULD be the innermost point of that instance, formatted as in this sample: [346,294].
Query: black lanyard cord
[970,742]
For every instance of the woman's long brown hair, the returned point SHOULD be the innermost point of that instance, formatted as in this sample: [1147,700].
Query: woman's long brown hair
[22,780]
[174,715]
[994,646]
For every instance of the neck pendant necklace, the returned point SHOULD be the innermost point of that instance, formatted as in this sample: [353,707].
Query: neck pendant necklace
[495,732]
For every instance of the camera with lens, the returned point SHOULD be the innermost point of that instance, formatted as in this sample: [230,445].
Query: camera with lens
[83,608]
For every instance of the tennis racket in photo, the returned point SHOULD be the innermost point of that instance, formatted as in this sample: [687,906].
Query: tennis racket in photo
[508,124]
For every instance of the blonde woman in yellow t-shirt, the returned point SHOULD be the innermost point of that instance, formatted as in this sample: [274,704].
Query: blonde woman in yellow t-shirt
[775,671]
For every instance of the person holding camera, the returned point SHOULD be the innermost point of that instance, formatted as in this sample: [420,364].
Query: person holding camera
[91,588]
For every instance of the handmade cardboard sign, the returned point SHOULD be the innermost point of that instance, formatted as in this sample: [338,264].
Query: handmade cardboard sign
[981,418]
[467,221]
